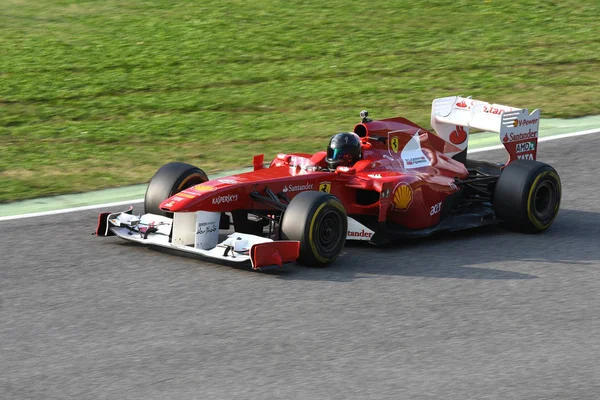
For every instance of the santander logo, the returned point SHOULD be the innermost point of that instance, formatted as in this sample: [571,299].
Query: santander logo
[362,233]
[458,136]
[515,137]
[296,188]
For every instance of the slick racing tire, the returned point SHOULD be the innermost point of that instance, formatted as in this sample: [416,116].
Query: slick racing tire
[170,179]
[527,196]
[318,221]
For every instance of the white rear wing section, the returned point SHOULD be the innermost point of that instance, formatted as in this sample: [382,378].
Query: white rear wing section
[452,117]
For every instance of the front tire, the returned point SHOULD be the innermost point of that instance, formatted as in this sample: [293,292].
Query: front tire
[319,222]
[527,196]
[170,179]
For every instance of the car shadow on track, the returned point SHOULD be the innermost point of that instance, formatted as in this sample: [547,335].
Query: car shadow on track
[573,239]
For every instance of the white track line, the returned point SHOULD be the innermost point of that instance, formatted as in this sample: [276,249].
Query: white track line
[137,201]
[70,210]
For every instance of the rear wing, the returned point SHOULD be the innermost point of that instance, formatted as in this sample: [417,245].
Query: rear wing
[451,118]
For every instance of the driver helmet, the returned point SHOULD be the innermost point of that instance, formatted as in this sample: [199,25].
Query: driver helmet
[344,150]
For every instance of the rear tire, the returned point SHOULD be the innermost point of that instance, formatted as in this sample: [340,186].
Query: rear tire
[170,179]
[319,222]
[527,196]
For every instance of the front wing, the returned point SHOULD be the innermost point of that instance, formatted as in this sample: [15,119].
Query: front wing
[155,230]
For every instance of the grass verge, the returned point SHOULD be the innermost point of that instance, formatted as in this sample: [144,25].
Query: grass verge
[97,94]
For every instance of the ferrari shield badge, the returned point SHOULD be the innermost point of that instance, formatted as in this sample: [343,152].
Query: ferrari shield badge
[403,197]
[394,144]
[325,187]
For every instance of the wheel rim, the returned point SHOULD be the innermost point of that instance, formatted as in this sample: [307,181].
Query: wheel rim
[544,200]
[329,232]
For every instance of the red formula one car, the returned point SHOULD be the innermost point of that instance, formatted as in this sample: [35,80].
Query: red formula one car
[387,179]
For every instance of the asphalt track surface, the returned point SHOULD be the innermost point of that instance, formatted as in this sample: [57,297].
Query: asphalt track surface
[485,314]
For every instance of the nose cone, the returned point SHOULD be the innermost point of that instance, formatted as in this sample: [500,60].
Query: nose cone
[178,202]
[208,196]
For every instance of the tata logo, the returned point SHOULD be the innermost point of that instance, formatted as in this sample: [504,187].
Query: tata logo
[528,156]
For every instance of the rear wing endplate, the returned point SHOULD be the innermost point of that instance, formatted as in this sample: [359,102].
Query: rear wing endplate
[452,117]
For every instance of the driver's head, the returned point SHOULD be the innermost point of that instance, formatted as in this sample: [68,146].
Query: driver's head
[343,150]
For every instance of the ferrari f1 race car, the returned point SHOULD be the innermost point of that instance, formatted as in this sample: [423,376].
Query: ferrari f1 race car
[388,179]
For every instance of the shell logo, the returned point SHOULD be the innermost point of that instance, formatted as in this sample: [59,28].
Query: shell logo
[203,188]
[515,123]
[403,197]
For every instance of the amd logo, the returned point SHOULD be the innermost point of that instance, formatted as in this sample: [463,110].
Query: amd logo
[527,146]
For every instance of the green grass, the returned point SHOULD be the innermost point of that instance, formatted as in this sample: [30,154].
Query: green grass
[97,94]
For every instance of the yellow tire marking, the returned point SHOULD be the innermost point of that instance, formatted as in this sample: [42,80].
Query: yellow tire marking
[182,184]
[313,247]
[530,215]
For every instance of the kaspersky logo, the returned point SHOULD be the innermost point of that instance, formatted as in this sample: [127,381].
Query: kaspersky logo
[228,198]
